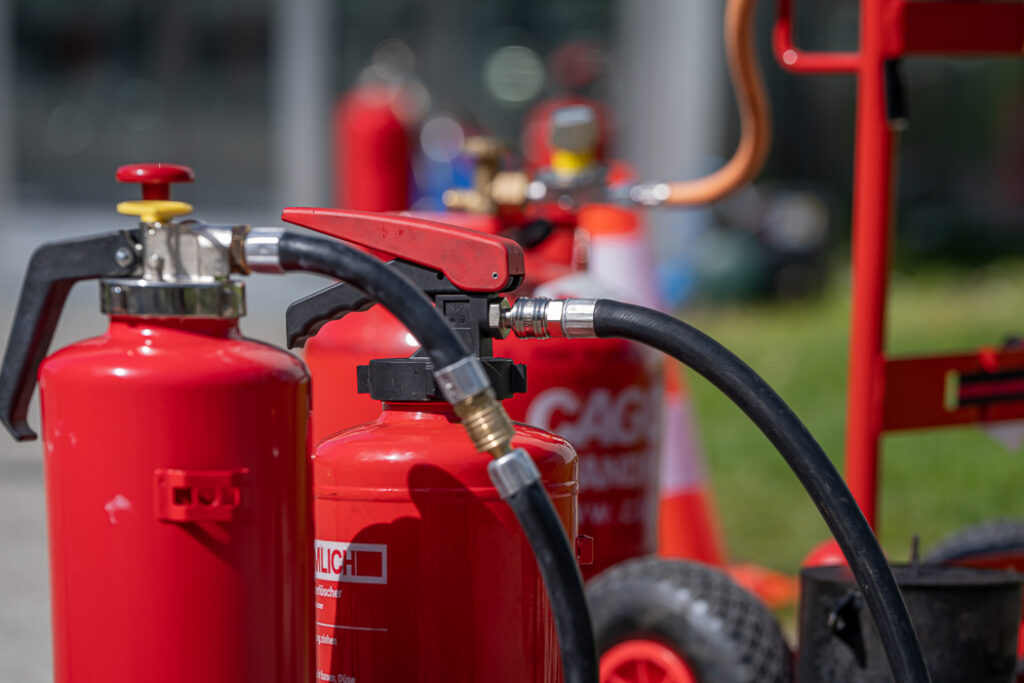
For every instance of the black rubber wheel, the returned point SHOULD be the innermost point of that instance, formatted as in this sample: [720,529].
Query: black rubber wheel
[722,633]
[994,540]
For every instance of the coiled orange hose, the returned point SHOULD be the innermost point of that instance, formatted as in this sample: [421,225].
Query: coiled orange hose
[755,116]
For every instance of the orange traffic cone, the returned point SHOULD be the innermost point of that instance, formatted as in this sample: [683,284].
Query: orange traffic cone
[620,254]
[687,525]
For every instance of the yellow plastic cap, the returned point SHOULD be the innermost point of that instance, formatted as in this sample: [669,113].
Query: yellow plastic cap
[154,210]
[568,163]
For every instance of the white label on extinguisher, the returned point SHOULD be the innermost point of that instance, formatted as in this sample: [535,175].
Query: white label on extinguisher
[351,562]
[601,419]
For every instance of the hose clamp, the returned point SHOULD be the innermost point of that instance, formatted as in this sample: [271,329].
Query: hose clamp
[540,318]
[146,298]
[462,379]
[513,472]
[577,317]
[262,250]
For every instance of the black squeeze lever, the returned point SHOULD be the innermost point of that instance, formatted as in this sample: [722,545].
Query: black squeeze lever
[305,317]
[52,270]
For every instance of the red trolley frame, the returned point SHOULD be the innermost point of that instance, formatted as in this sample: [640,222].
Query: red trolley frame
[888,394]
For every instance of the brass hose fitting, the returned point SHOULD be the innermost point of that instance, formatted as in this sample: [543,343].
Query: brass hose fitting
[492,187]
[486,422]
[464,384]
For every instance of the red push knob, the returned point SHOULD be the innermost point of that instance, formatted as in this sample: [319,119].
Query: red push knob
[155,178]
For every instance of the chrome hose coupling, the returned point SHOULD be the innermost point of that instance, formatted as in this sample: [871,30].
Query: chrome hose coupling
[262,250]
[465,385]
[513,472]
[541,318]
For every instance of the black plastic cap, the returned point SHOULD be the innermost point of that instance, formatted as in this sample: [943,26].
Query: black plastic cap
[400,380]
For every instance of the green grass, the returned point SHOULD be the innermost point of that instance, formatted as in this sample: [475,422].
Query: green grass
[932,482]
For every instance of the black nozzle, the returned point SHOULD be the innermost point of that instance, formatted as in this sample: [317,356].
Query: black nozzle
[53,269]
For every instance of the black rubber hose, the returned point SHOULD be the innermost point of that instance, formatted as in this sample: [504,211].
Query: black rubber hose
[334,258]
[562,580]
[808,461]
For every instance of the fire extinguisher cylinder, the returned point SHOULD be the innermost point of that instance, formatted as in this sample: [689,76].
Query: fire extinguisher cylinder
[472,304]
[176,456]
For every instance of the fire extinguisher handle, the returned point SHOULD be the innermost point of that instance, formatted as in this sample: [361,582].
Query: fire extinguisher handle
[305,317]
[472,260]
[52,270]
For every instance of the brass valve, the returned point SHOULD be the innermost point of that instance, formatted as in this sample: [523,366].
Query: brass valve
[492,187]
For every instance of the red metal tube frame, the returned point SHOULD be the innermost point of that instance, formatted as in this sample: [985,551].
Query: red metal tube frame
[798,61]
[889,29]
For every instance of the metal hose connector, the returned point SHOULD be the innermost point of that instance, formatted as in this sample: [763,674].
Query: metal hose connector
[262,251]
[485,420]
[465,385]
[541,318]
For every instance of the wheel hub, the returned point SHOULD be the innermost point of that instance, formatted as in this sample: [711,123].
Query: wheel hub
[644,661]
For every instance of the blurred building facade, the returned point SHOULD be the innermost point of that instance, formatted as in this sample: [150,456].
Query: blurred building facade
[242,92]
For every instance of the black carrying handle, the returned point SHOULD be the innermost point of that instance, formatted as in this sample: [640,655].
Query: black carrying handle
[305,317]
[52,270]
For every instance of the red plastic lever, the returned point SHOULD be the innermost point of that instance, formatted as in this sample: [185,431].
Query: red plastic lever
[155,178]
[472,261]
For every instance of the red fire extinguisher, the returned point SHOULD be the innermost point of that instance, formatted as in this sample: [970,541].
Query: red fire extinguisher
[175,458]
[612,418]
[421,572]
[371,150]
[176,451]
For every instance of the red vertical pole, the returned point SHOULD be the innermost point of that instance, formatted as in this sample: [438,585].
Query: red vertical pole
[872,209]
